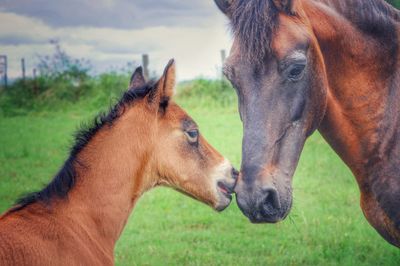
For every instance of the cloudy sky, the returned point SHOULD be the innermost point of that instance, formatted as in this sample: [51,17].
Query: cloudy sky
[111,33]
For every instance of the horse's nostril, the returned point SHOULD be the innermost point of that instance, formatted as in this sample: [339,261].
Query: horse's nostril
[235,173]
[272,198]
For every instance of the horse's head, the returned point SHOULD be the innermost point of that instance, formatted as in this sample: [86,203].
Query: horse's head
[278,72]
[179,156]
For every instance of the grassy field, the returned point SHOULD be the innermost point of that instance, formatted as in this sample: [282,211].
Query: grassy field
[326,226]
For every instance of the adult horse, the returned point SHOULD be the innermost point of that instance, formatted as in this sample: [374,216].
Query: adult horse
[144,141]
[331,65]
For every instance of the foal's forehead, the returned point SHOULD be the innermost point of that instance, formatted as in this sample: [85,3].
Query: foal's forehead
[179,116]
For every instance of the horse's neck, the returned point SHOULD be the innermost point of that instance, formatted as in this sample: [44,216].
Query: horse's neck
[112,177]
[362,118]
[362,121]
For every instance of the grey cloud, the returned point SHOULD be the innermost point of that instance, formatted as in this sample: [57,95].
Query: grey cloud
[123,14]
[112,48]
[11,39]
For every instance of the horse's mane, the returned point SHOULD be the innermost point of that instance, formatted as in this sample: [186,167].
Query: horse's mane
[372,17]
[253,22]
[372,10]
[65,179]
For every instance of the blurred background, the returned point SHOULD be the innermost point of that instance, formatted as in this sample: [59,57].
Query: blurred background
[111,33]
[61,62]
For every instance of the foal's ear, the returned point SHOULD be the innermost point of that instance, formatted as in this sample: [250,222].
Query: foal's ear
[137,79]
[169,77]
[224,6]
[165,86]
[285,6]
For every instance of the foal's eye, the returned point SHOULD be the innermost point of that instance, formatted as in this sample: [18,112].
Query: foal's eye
[296,72]
[193,135]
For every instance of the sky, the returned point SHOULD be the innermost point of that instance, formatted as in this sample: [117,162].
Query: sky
[111,33]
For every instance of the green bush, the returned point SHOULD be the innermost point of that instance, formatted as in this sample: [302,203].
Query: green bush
[93,93]
[204,92]
[105,90]
[46,94]
[42,94]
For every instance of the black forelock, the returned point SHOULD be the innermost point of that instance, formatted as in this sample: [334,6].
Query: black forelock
[65,179]
[253,23]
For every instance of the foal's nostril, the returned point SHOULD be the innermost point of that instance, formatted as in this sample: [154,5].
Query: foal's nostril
[235,173]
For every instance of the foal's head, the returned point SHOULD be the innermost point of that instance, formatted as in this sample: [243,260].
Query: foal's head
[277,69]
[178,155]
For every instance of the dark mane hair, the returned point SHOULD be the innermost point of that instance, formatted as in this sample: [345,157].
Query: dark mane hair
[65,179]
[366,10]
[253,22]
[372,17]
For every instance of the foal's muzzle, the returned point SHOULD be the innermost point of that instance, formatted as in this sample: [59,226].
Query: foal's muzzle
[226,188]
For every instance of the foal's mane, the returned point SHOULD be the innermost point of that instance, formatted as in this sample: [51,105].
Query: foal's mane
[253,22]
[65,179]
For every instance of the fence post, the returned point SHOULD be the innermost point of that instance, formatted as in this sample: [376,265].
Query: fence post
[223,59]
[145,63]
[34,73]
[23,68]
[223,56]
[3,69]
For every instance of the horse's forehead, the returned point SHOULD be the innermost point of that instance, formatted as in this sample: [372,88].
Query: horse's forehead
[289,35]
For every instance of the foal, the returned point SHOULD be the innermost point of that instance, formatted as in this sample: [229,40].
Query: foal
[146,140]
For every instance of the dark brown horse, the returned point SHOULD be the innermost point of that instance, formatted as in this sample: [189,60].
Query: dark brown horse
[146,140]
[331,65]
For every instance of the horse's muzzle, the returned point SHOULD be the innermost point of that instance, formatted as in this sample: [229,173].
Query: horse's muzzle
[264,206]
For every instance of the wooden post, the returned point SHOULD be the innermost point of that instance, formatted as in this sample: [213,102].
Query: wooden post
[223,59]
[145,63]
[3,69]
[23,68]
[223,56]
[34,73]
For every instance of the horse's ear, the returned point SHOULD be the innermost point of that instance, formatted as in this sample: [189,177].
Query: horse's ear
[285,6]
[224,6]
[165,86]
[137,79]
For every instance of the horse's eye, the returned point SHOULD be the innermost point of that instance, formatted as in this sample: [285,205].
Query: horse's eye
[193,135]
[296,72]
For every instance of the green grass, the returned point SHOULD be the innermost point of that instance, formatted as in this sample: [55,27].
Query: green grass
[326,226]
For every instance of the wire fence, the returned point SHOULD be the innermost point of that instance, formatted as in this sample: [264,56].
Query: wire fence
[4,79]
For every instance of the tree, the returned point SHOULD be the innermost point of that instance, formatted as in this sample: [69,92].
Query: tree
[61,65]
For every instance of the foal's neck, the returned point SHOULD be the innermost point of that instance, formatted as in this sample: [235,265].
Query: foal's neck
[363,114]
[112,174]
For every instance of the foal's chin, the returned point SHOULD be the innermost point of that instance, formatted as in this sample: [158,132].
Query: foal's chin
[225,200]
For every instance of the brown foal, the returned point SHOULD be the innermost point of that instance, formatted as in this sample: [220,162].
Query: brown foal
[146,140]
